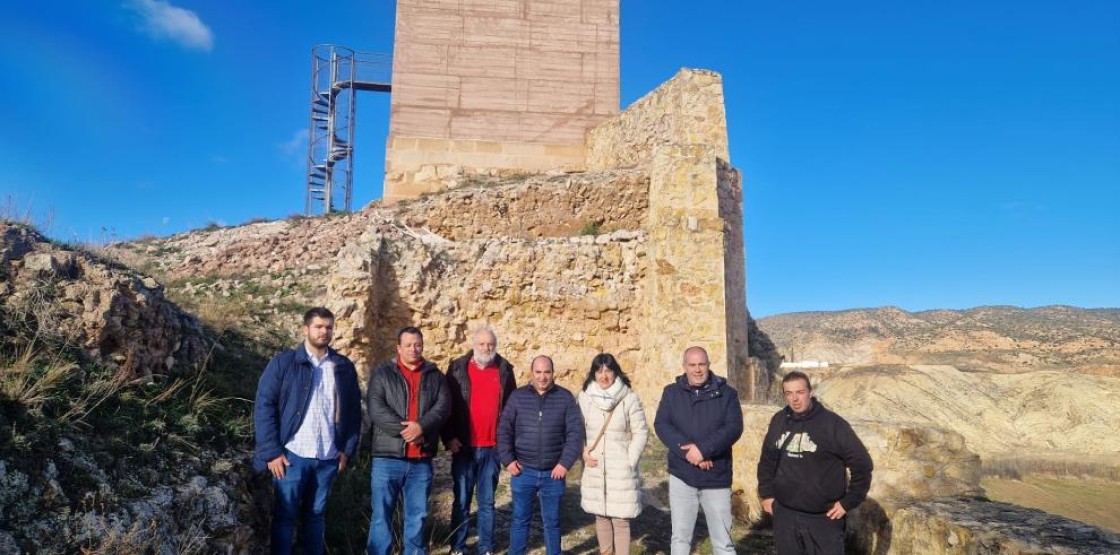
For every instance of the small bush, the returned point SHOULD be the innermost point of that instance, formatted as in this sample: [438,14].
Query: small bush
[590,228]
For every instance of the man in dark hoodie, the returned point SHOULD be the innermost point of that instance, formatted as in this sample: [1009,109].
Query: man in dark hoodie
[480,383]
[698,420]
[802,476]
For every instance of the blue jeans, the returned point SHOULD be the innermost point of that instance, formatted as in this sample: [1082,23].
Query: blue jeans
[526,486]
[390,479]
[474,467]
[304,488]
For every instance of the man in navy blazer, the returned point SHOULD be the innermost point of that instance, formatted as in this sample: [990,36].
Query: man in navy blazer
[307,419]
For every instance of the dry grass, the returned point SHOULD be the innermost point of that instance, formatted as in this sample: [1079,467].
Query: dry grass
[1089,500]
[30,377]
[1016,468]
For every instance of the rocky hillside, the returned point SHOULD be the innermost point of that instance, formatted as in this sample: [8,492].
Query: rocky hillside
[1015,383]
[990,338]
[121,430]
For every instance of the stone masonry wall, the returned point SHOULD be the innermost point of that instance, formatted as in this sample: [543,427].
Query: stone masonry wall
[559,205]
[685,110]
[750,379]
[570,298]
[696,291]
[486,85]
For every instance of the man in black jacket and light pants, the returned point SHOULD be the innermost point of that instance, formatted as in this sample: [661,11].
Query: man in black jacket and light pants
[698,420]
[802,473]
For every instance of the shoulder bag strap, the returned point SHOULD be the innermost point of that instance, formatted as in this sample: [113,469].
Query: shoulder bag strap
[604,428]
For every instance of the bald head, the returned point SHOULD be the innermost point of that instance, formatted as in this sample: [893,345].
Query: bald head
[542,374]
[696,366]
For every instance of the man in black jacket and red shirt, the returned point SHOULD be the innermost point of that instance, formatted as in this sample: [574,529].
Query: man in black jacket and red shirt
[802,476]
[407,401]
[480,383]
[698,420]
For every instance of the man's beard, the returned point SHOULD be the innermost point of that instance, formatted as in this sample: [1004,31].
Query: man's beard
[484,360]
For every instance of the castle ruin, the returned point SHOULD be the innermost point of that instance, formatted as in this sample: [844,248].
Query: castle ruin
[508,88]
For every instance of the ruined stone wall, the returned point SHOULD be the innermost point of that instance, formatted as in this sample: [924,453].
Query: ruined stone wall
[114,315]
[696,291]
[570,298]
[685,110]
[749,378]
[543,206]
[481,86]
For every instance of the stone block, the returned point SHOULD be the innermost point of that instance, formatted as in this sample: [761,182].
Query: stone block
[493,94]
[413,121]
[481,62]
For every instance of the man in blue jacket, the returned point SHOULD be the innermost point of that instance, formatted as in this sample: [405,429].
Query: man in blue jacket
[308,420]
[540,437]
[698,420]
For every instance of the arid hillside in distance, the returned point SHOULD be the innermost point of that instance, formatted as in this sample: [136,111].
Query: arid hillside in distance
[990,338]
[1039,384]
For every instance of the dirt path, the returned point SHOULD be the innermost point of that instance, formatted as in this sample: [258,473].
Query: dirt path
[348,514]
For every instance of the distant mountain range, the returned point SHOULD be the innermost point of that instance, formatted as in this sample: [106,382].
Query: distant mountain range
[1002,339]
[1014,382]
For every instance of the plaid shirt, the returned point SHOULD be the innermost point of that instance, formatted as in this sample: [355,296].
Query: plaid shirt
[315,437]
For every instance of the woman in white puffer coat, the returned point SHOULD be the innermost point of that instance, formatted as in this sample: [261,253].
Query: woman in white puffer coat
[616,432]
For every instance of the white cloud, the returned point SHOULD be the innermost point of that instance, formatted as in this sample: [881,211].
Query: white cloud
[162,21]
[166,220]
[297,144]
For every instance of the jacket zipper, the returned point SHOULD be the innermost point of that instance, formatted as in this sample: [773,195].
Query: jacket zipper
[540,427]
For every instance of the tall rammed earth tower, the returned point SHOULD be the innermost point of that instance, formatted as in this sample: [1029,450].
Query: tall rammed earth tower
[493,85]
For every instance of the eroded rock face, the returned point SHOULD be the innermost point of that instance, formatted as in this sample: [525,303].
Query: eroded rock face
[198,505]
[1041,413]
[111,313]
[911,462]
[1000,339]
[925,498]
[970,526]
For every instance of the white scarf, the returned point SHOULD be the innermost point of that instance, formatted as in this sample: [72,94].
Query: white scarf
[606,399]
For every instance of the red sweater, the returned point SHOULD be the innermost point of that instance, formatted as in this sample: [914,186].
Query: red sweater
[412,450]
[486,392]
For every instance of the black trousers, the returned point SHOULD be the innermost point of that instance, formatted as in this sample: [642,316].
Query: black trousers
[798,533]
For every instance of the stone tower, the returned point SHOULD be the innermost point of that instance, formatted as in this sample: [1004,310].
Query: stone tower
[484,86]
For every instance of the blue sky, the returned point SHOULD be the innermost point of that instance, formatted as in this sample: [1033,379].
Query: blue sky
[917,154]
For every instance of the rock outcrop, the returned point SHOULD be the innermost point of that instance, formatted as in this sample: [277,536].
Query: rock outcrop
[113,314]
[88,344]
[959,526]
[925,498]
[1043,413]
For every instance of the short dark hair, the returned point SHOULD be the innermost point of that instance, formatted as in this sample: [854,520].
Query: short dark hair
[411,330]
[797,375]
[608,360]
[317,312]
